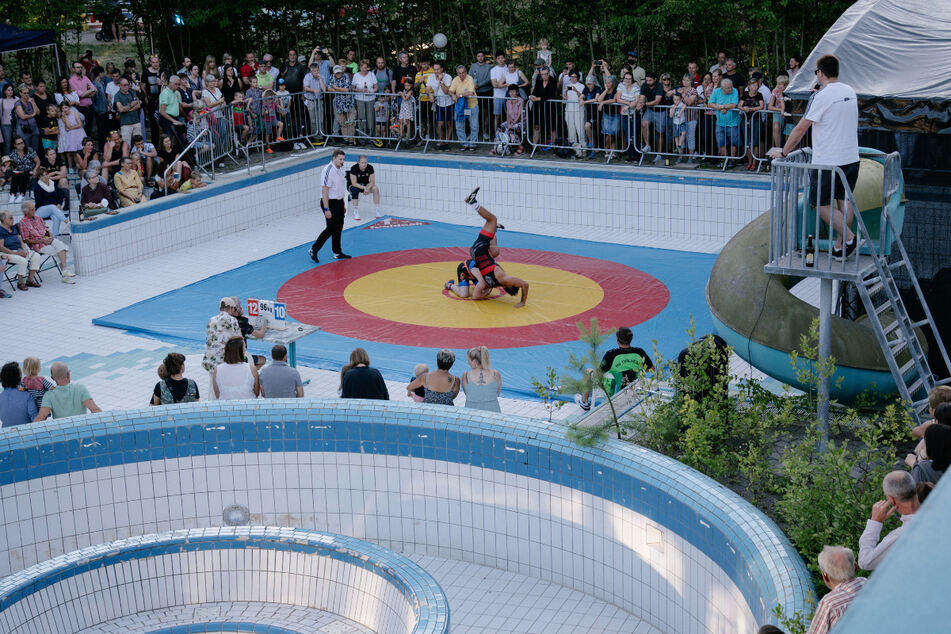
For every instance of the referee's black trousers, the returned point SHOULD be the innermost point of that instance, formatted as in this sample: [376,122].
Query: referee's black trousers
[334,226]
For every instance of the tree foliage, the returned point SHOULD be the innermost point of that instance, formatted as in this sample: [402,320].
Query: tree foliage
[667,33]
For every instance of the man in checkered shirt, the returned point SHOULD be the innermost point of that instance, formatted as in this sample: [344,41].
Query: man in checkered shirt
[837,565]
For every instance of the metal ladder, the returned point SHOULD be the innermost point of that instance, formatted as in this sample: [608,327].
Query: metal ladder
[881,297]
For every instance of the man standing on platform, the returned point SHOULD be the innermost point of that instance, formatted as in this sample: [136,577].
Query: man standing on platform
[333,186]
[834,111]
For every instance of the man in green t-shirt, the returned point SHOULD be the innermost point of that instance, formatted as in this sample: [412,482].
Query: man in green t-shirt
[66,399]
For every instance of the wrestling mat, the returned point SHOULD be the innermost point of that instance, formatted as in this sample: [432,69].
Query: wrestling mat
[390,300]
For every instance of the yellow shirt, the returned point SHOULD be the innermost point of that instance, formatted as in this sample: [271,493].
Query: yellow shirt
[459,86]
[128,185]
[421,78]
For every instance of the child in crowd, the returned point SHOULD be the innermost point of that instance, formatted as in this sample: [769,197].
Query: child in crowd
[269,122]
[407,109]
[6,170]
[543,51]
[49,126]
[419,393]
[382,111]
[194,182]
[678,112]
[777,105]
[238,109]
[32,382]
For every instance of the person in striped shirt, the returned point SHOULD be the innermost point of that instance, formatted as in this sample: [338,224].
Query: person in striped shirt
[837,565]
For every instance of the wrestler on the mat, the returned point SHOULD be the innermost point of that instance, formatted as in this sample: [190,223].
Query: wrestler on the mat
[484,251]
[467,277]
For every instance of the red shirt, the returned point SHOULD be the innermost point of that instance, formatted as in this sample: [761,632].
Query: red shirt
[32,230]
[249,70]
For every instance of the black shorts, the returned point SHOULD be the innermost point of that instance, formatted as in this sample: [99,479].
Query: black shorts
[490,280]
[355,192]
[479,251]
[823,197]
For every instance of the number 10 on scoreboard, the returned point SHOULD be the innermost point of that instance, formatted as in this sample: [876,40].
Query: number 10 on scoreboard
[274,312]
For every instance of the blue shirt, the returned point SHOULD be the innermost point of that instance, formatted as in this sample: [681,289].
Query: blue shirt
[325,70]
[729,118]
[10,239]
[16,407]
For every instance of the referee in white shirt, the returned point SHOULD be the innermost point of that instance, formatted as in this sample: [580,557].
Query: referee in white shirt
[333,181]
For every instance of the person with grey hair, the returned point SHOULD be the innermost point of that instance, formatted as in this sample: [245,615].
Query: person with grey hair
[16,252]
[900,496]
[67,398]
[38,238]
[463,91]
[725,101]
[440,387]
[96,195]
[837,565]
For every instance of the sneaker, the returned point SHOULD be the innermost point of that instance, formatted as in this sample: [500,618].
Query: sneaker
[280,139]
[646,149]
[313,255]
[67,278]
[471,198]
[850,248]
[342,256]
[448,285]
[318,143]
[19,199]
[356,216]
[269,150]
[658,159]
[583,404]
[376,214]
[13,199]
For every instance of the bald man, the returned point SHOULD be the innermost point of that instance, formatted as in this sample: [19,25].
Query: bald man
[67,398]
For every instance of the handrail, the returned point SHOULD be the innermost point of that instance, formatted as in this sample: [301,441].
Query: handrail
[181,154]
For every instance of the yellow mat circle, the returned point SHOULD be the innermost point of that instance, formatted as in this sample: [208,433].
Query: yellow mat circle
[412,294]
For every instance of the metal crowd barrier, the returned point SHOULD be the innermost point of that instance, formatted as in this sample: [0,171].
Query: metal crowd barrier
[659,135]
[769,129]
[580,129]
[449,126]
[367,120]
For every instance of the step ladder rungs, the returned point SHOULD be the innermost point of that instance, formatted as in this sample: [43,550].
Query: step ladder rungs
[917,405]
[905,369]
[875,288]
[914,387]
[920,324]
[892,327]
[897,265]
[881,309]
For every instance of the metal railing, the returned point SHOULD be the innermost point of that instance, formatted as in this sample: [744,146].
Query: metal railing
[801,192]
[580,128]
[665,129]
[360,117]
[768,129]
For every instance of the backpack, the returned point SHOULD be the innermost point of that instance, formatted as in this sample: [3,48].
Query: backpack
[501,141]
[562,148]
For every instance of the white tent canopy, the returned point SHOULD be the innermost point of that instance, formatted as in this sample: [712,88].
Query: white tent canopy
[897,49]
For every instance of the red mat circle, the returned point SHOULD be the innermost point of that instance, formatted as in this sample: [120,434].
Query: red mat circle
[316,297]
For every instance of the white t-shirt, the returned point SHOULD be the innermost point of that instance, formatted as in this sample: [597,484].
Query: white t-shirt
[834,113]
[572,97]
[767,95]
[497,74]
[362,82]
[442,99]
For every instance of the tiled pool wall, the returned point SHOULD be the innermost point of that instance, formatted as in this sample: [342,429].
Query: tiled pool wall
[616,521]
[359,581]
[552,197]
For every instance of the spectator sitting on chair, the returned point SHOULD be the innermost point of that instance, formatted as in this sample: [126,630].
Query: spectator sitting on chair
[67,399]
[901,496]
[38,238]
[279,380]
[49,200]
[16,253]
[837,565]
[359,380]
[96,195]
[16,407]
[625,360]
[128,184]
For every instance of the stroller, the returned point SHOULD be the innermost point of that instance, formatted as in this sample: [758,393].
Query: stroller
[507,137]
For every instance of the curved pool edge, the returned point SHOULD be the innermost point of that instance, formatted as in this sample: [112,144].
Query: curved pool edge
[742,541]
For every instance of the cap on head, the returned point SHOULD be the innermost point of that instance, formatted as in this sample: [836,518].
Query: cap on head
[228,302]
[338,68]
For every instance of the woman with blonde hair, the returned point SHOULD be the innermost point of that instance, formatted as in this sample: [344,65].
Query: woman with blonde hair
[235,378]
[32,382]
[481,383]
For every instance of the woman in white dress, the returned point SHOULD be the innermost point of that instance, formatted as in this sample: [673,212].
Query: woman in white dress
[235,379]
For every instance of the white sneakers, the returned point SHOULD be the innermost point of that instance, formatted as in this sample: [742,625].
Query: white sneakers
[19,199]
[68,278]
[356,215]
[13,199]
[376,213]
